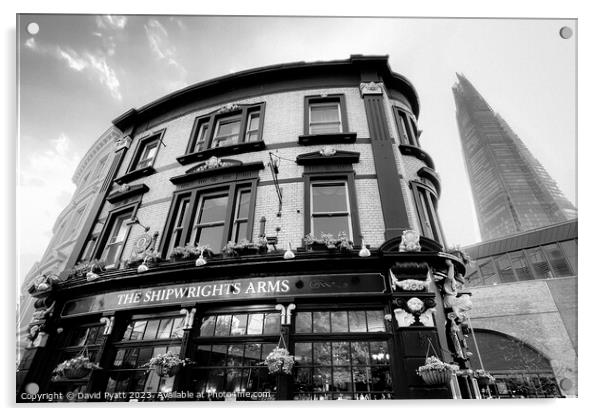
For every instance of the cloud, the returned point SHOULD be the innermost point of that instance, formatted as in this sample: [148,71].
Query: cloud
[106,74]
[93,64]
[163,49]
[111,22]
[72,58]
[44,190]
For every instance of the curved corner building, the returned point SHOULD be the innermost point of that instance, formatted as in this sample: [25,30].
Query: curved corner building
[247,166]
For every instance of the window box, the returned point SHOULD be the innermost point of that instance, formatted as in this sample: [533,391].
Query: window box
[221,151]
[135,174]
[327,138]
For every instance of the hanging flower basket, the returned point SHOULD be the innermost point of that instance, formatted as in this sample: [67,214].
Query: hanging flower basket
[74,368]
[436,372]
[484,377]
[167,364]
[279,361]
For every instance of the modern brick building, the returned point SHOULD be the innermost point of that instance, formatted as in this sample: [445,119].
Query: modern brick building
[511,189]
[264,208]
[525,310]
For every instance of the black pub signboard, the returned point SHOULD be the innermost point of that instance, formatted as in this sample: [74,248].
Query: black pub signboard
[225,290]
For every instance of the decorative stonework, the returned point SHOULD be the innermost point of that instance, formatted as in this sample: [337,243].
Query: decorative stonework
[460,305]
[123,142]
[189,318]
[108,324]
[410,241]
[371,88]
[328,151]
[228,108]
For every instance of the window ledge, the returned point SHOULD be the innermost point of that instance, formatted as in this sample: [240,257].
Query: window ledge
[431,175]
[126,193]
[417,152]
[221,151]
[328,138]
[135,174]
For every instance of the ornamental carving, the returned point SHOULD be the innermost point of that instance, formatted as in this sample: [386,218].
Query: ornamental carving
[410,241]
[228,108]
[371,88]
[460,305]
[328,151]
[123,142]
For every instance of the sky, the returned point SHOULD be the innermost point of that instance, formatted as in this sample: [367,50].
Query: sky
[81,71]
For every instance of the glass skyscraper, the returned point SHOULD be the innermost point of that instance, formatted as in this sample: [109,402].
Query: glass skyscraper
[511,189]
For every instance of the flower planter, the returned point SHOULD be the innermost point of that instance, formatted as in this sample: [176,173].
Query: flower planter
[434,377]
[75,373]
[164,371]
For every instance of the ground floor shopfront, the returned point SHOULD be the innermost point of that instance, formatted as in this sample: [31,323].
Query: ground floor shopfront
[340,327]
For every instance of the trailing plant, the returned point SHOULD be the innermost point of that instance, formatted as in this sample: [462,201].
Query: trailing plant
[167,364]
[77,367]
[279,361]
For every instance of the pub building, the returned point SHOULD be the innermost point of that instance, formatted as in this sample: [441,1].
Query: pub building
[286,206]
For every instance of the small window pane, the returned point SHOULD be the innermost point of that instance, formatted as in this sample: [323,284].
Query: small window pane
[235,355]
[203,355]
[138,330]
[144,355]
[341,377]
[255,324]
[303,352]
[239,325]
[222,326]
[570,251]
[164,330]
[539,263]
[340,353]
[329,198]
[321,322]
[212,237]
[357,321]
[208,326]
[560,266]
[339,321]
[322,379]
[505,269]
[490,276]
[213,209]
[359,353]
[151,329]
[218,355]
[376,321]
[331,225]
[322,353]
[272,324]
[381,379]
[178,327]
[226,133]
[266,349]
[303,322]
[379,351]
[252,354]
[519,264]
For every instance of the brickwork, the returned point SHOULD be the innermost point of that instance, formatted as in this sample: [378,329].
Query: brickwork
[527,311]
